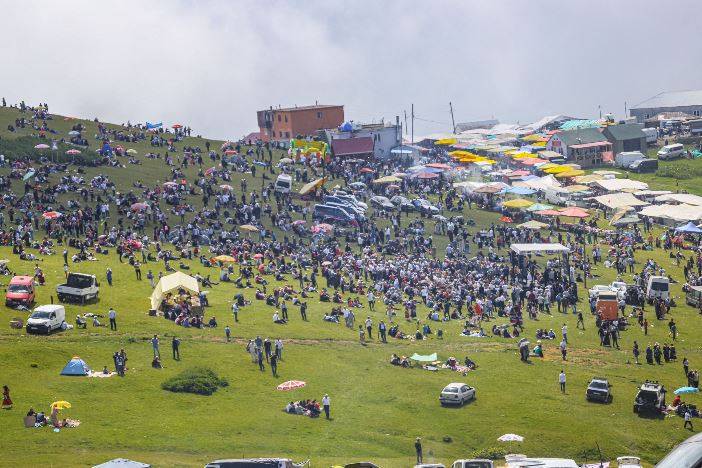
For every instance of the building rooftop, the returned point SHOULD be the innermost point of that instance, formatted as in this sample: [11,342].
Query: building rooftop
[625,132]
[301,108]
[349,146]
[580,136]
[672,99]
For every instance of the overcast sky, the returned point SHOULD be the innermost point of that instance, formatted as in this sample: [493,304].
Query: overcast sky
[212,64]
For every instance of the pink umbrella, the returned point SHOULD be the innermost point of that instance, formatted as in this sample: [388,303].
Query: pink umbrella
[226,187]
[427,175]
[299,222]
[210,171]
[170,184]
[135,244]
[139,206]
[258,255]
[41,146]
[51,215]
[445,167]
[230,152]
[291,385]
[73,151]
[323,228]
[177,126]
[573,212]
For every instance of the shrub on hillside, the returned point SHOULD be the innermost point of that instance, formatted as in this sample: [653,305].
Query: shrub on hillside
[198,380]
[489,453]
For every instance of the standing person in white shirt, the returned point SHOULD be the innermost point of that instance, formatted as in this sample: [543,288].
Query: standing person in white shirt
[112,315]
[564,332]
[235,310]
[562,380]
[327,405]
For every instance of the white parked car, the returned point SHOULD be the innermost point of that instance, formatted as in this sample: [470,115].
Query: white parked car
[46,318]
[630,462]
[598,288]
[456,394]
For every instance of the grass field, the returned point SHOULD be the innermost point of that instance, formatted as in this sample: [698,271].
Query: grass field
[377,409]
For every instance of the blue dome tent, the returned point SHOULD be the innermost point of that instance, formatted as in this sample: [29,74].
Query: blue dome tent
[76,366]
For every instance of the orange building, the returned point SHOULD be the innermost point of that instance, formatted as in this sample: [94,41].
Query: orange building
[290,122]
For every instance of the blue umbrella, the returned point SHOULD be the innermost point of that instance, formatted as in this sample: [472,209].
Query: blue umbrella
[684,390]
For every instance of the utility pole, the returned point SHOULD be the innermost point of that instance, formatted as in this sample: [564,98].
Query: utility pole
[625,110]
[453,122]
[412,135]
[406,127]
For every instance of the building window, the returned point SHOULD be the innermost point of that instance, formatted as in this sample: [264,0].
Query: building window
[319,115]
[278,117]
[646,116]
[287,134]
[696,113]
[280,134]
[286,118]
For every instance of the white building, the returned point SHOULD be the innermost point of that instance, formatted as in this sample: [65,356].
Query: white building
[385,136]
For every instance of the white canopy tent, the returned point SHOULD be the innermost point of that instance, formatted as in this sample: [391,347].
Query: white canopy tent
[173,282]
[619,200]
[617,185]
[522,249]
[678,213]
[686,198]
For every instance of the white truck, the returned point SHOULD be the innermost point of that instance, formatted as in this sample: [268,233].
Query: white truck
[651,135]
[283,183]
[658,287]
[46,318]
[79,287]
[627,158]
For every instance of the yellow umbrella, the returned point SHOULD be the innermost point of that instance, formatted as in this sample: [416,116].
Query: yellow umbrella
[61,404]
[518,203]
[248,227]
[387,180]
[570,173]
[558,169]
[446,141]
[310,186]
[225,258]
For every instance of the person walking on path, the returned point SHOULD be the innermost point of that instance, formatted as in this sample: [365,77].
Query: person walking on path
[564,332]
[274,365]
[154,345]
[150,277]
[418,449]
[369,327]
[228,333]
[382,330]
[175,344]
[361,335]
[137,270]
[636,352]
[279,349]
[303,311]
[686,365]
[581,322]
[112,315]
[688,420]
[326,404]
[108,274]
[235,311]
[564,349]
[562,380]
[259,357]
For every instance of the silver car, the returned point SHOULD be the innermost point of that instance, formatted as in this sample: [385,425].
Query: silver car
[456,393]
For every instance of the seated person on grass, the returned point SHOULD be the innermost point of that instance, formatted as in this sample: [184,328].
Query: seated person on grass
[277,319]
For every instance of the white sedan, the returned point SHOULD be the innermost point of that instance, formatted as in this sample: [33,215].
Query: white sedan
[598,288]
[456,394]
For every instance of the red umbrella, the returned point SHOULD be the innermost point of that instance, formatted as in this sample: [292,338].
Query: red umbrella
[135,244]
[443,166]
[177,126]
[506,219]
[427,175]
[367,170]
[291,385]
[573,212]
[51,215]
[139,206]
[230,152]
[322,227]
[210,171]
[257,256]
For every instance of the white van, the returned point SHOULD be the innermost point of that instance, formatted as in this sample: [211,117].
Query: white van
[283,183]
[556,196]
[46,319]
[651,135]
[671,151]
[658,286]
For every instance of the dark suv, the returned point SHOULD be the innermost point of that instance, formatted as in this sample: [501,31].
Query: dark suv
[598,390]
[650,398]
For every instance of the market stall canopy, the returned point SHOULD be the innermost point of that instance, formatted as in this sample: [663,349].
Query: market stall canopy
[521,249]
[687,198]
[421,358]
[573,212]
[576,188]
[519,190]
[571,173]
[679,213]
[588,179]
[539,207]
[173,282]
[617,185]
[689,228]
[533,225]
[626,220]
[311,186]
[387,180]
[619,200]
[517,203]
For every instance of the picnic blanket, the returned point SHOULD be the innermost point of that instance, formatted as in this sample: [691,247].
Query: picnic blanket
[100,374]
